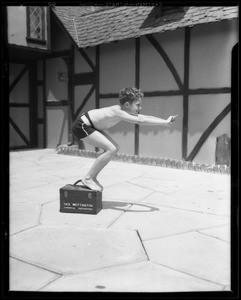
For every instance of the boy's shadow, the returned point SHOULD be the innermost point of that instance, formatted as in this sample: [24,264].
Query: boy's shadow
[118,206]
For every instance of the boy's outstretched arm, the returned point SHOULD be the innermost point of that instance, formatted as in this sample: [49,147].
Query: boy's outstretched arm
[146,120]
[151,120]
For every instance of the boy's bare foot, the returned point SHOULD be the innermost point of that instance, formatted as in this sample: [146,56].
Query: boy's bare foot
[91,184]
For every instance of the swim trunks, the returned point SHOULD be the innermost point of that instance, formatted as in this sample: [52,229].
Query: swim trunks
[80,129]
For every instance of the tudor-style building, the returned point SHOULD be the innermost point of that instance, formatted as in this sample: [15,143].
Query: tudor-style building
[65,60]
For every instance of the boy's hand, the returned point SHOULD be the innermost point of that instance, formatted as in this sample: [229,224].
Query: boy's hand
[171,119]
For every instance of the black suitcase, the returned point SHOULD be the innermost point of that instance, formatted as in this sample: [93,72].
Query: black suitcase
[79,199]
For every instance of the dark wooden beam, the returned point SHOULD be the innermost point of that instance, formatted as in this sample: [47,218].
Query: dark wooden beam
[207,132]
[57,103]
[97,76]
[33,110]
[69,60]
[202,91]
[63,53]
[19,104]
[84,78]
[137,83]
[185,95]
[44,105]
[109,96]
[163,93]
[224,90]
[167,60]
[97,81]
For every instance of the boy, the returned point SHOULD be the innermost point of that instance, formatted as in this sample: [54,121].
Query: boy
[90,125]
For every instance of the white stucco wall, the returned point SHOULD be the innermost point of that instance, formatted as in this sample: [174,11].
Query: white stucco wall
[210,54]
[154,73]
[117,66]
[210,67]
[203,109]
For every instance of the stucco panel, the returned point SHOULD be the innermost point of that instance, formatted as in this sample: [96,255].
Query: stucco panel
[81,64]
[203,109]
[20,117]
[162,141]
[20,93]
[17,30]
[207,152]
[55,89]
[57,126]
[117,66]
[154,73]
[210,54]
[172,43]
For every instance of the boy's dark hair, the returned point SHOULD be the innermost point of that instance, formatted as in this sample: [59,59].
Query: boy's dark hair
[130,94]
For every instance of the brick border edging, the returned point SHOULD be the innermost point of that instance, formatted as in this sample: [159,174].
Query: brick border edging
[153,161]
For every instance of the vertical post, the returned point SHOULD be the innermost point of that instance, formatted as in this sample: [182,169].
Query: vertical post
[44,104]
[70,65]
[185,93]
[97,77]
[137,84]
[97,81]
[33,113]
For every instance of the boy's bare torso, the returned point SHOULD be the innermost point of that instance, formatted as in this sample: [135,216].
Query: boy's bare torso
[106,117]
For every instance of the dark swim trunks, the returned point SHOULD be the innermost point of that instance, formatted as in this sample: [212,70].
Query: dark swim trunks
[80,129]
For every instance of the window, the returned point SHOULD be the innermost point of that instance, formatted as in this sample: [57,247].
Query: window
[36,25]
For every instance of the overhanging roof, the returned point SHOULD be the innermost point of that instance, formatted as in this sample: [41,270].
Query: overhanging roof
[119,23]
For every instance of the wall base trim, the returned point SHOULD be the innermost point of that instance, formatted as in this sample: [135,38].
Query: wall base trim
[153,161]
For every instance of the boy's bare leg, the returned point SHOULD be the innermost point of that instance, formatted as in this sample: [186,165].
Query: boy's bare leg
[102,141]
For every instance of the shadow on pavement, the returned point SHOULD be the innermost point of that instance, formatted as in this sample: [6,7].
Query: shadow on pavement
[122,206]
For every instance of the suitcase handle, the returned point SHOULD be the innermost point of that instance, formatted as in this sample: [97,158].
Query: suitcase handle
[77,181]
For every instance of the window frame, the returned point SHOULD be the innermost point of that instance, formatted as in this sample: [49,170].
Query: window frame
[30,39]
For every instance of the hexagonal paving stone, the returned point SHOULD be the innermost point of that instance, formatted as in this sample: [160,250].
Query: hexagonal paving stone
[162,221]
[126,192]
[170,175]
[135,277]
[38,195]
[23,216]
[31,179]
[26,277]
[193,253]
[202,202]
[223,233]
[111,210]
[163,186]
[70,250]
